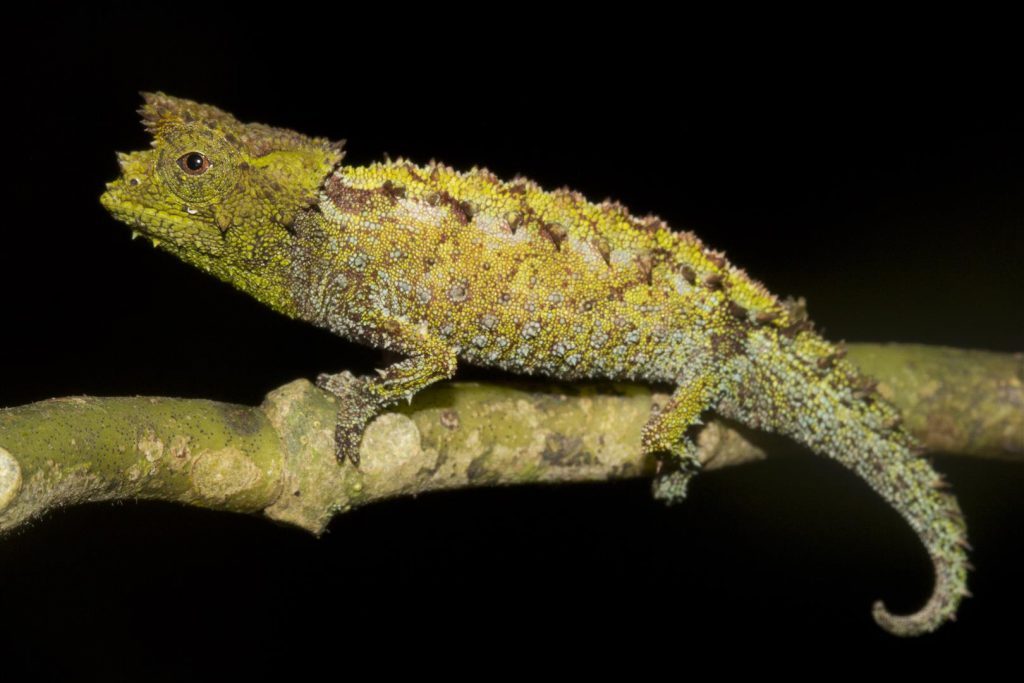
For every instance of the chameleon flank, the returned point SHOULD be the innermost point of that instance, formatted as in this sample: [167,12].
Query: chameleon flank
[444,267]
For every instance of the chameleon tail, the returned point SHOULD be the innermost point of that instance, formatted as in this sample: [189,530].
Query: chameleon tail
[803,389]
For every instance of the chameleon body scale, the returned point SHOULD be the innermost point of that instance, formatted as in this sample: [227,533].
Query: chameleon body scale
[444,267]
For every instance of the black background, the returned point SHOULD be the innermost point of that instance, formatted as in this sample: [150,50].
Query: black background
[885,184]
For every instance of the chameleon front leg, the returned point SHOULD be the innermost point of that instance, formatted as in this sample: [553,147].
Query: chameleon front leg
[428,359]
[665,433]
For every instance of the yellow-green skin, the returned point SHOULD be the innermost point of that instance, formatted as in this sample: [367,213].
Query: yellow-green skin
[445,267]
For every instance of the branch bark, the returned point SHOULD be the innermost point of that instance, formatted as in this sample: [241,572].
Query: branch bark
[278,458]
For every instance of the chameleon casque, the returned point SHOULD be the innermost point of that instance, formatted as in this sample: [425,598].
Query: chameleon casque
[443,267]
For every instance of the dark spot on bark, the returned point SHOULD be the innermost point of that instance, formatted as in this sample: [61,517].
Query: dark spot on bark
[518,188]
[243,421]
[566,451]
[764,317]
[688,274]
[450,419]
[479,473]
[433,199]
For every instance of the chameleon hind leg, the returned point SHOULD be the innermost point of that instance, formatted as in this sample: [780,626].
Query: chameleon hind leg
[428,359]
[666,433]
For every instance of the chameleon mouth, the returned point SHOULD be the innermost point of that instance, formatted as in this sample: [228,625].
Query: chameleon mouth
[124,210]
[163,228]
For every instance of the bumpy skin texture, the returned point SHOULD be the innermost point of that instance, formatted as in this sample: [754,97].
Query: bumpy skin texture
[444,267]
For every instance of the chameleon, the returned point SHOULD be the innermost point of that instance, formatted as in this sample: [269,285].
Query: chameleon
[440,267]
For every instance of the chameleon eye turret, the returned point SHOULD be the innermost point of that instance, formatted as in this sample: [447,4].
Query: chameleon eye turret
[445,267]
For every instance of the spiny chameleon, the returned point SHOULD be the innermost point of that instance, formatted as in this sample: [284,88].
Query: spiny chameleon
[441,266]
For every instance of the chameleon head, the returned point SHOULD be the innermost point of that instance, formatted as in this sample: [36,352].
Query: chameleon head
[213,187]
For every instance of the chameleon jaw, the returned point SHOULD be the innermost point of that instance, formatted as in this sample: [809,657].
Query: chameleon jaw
[161,227]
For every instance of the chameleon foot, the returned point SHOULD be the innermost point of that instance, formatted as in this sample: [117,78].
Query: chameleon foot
[674,475]
[357,407]
[670,487]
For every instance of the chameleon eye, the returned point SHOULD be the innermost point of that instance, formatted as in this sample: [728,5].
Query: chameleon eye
[194,163]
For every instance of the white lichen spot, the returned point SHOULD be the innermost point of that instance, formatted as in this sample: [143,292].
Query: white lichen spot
[392,456]
[150,446]
[218,475]
[10,478]
[531,329]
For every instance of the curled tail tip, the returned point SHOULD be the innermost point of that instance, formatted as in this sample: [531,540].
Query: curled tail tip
[950,589]
[926,620]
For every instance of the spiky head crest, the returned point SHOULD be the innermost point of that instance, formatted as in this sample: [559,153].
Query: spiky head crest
[212,186]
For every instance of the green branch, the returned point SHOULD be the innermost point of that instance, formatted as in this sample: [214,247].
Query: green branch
[278,458]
